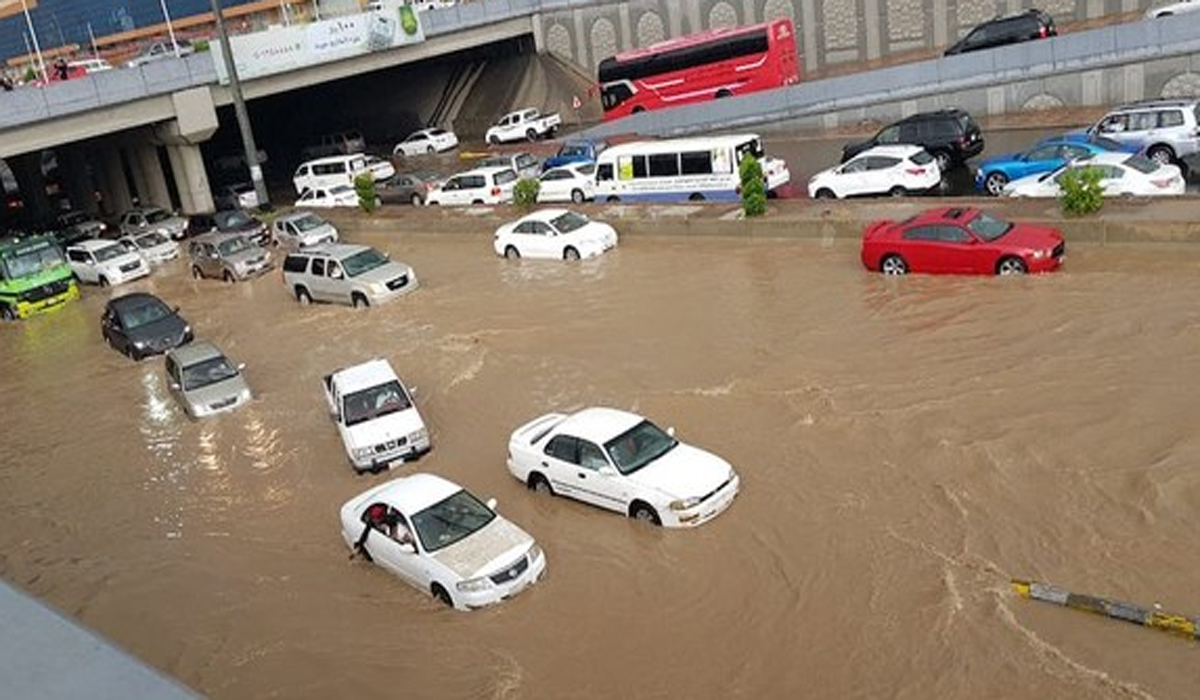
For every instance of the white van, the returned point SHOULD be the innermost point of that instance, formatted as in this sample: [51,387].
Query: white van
[328,172]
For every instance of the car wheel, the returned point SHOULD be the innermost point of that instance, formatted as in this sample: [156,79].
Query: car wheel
[825,193]
[612,198]
[722,94]
[897,191]
[638,110]
[1162,155]
[442,594]
[416,200]
[103,281]
[494,140]
[512,253]
[7,313]
[429,150]
[893,265]
[994,183]
[1011,266]
[531,134]
[943,160]
[643,512]
[359,301]
[303,296]
[228,277]
[570,253]
[695,197]
[539,484]
[577,196]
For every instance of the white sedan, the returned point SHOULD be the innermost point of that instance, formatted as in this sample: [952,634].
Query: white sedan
[426,141]
[621,461]
[326,197]
[892,170]
[380,169]
[1174,8]
[569,183]
[442,540]
[554,233]
[153,246]
[1122,174]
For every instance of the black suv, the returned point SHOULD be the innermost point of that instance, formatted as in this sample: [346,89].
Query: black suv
[1029,25]
[950,135]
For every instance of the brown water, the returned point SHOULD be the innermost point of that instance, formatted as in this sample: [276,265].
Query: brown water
[906,446]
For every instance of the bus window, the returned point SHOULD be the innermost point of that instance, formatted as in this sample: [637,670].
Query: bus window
[625,167]
[604,172]
[639,166]
[664,165]
[695,163]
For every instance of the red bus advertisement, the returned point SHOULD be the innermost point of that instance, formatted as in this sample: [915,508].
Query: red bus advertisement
[699,67]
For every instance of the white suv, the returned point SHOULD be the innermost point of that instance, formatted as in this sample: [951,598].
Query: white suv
[1167,130]
[103,262]
[479,186]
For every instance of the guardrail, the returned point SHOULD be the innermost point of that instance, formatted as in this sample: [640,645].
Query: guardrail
[1122,44]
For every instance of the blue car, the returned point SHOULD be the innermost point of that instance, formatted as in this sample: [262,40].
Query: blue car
[575,151]
[1048,155]
[1087,137]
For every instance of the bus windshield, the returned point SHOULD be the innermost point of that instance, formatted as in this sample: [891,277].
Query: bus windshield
[31,261]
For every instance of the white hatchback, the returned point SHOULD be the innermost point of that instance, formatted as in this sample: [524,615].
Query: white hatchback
[554,233]
[891,170]
[569,183]
[440,539]
[1122,175]
[426,141]
[621,461]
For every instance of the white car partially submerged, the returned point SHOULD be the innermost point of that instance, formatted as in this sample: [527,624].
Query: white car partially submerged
[154,247]
[1122,175]
[558,234]
[883,170]
[441,539]
[621,461]
[575,182]
[376,416]
[426,141]
[102,262]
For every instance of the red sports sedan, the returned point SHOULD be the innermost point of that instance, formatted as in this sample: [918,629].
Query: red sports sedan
[960,240]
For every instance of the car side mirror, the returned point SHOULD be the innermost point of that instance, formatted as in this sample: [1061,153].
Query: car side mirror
[337,275]
[412,391]
[408,547]
[175,386]
[671,432]
[241,366]
[175,309]
[491,504]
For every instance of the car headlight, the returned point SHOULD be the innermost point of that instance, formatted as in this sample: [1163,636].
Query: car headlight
[419,436]
[187,330]
[685,503]
[535,553]
[474,585]
[244,395]
[362,452]
[1039,254]
[139,344]
[377,288]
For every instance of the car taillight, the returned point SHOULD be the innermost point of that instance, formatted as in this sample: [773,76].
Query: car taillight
[915,171]
[1042,32]
[1163,183]
[495,191]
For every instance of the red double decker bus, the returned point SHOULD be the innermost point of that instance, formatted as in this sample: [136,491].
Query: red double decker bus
[705,66]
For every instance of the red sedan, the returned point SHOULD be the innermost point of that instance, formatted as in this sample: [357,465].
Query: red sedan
[960,240]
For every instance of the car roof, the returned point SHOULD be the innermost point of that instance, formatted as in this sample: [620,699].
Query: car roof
[193,352]
[1154,103]
[366,375]
[298,214]
[217,237]
[599,424]
[410,494]
[93,243]
[1106,158]
[943,214]
[900,150]
[543,214]
[133,299]
[333,250]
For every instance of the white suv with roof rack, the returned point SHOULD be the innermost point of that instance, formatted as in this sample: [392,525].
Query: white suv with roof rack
[1167,130]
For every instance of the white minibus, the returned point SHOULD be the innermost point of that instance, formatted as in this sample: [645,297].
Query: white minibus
[329,171]
[691,169]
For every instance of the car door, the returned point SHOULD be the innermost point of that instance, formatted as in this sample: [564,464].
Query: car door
[117,334]
[1116,182]
[450,193]
[560,461]
[851,179]
[881,175]
[83,264]
[920,248]
[210,260]
[402,560]
[335,280]
[1040,160]
[555,186]
[543,241]
[598,481]
[318,281]
[961,252]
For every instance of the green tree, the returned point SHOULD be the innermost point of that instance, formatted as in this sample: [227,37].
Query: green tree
[525,192]
[364,187]
[1081,191]
[754,188]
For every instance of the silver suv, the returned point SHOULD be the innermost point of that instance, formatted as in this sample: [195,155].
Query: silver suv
[227,256]
[357,275]
[302,229]
[1167,130]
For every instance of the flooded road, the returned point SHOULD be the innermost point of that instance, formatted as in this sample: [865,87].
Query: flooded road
[905,445]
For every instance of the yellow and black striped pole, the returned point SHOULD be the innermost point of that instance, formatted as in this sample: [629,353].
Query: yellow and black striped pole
[1167,622]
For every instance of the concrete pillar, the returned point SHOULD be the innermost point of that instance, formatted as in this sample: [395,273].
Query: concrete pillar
[583,40]
[626,27]
[27,169]
[748,12]
[148,177]
[808,21]
[539,33]
[191,180]
[75,172]
[114,187]
[872,20]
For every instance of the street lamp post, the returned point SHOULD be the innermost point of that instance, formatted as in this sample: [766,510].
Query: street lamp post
[33,35]
[239,108]
[170,29]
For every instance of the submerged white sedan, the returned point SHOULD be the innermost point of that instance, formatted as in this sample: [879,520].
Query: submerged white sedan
[442,540]
[621,461]
[1121,175]
[557,234]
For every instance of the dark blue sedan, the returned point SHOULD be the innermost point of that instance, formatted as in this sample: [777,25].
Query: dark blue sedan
[1048,155]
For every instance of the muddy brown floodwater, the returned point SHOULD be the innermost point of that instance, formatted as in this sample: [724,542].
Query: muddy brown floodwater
[906,446]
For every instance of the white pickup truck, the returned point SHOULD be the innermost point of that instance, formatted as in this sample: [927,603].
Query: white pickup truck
[527,124]
[376,416]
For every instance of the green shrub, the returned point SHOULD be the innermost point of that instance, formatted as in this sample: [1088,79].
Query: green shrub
[754,188]
[525,192]
[1081,191]
[30,74]
[364,187]
[201,45]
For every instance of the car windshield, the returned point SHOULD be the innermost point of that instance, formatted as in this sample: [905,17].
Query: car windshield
[209,371]
[377,401]
[157,215]
[1142,164]
[109,252]
[987,227]
[233,245]
[150,240]
[31,261]
[573,149]
[451,520]
[568,222]
[495,162]
[364,261]
[143,313]
[308,223]
[436,132]
[232,219]
[639,446]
